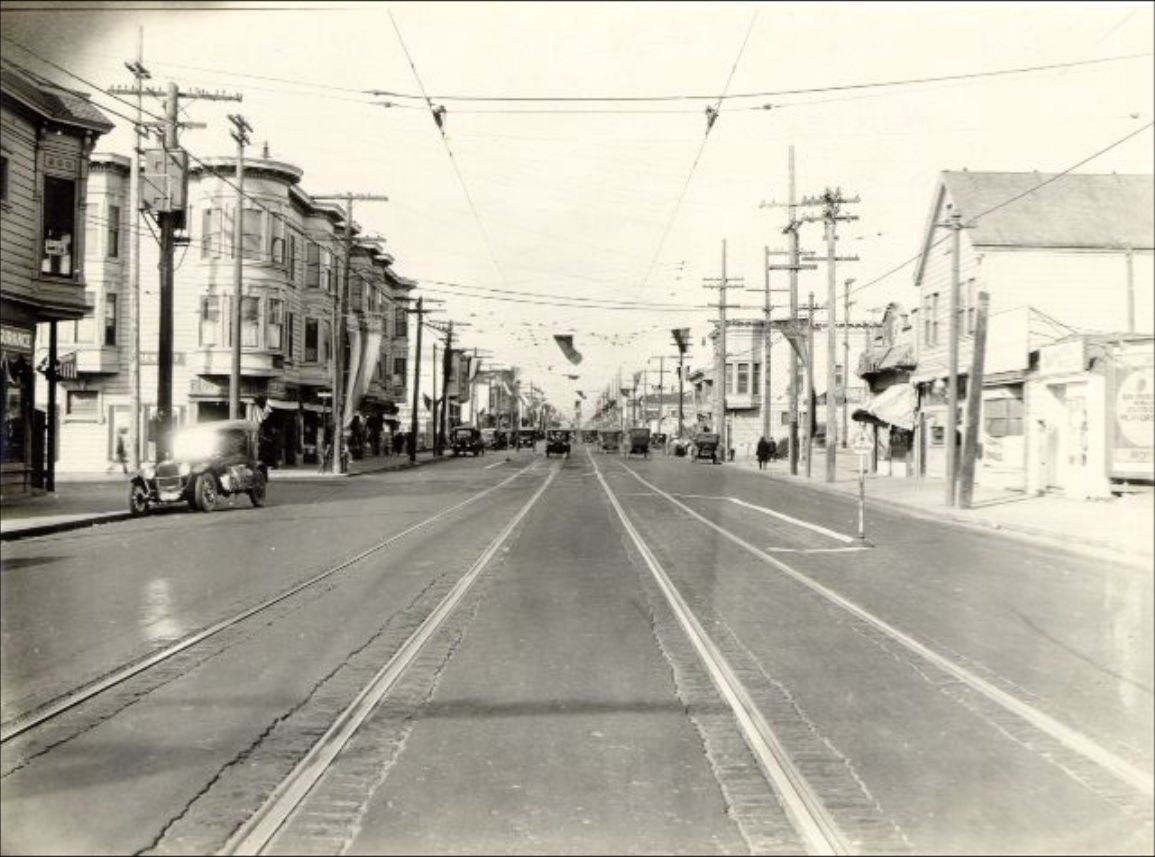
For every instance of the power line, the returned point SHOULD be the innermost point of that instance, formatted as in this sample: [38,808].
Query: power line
[711,118]
[438,117]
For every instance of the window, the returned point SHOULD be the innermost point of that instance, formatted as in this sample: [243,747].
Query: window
[210,233]
[251,240]
[276,323]
[291,262]
[729,379]
[3,178]
[59,213]
[743,379]
[312,340]
[110,319]
[113,248]
[932,321]
[290,337]
[83,404]
[969,310]
[401,323]
[327,271]
[210,333]
[276,239]
[327,340]
[312,265]
[1003,417]
[86,326]
[756,379]
[251,322]
[400,367]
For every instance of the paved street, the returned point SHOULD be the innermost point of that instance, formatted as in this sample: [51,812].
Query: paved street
[599,654]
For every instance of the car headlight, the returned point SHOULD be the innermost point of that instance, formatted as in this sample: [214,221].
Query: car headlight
[148,471]
[184,469]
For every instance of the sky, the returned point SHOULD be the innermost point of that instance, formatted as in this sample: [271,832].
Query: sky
[579,187]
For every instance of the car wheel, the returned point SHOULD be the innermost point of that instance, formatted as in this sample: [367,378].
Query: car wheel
[206,492]
[257,492]
[138,500]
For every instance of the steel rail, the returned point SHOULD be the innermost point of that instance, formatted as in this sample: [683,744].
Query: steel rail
[1070,738]
[256,833]
[22,723]
[803,806]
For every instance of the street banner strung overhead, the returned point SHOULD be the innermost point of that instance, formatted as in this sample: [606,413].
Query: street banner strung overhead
[565,343]
[681,338]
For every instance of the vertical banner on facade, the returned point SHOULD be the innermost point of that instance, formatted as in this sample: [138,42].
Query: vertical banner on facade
[1131,411]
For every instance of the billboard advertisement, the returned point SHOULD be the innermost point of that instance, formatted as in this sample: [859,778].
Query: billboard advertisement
[1131,411]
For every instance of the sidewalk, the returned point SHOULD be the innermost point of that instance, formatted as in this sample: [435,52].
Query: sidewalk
[1119,528]
[83,499]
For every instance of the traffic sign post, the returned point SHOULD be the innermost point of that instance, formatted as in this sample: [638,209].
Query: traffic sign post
[861,446]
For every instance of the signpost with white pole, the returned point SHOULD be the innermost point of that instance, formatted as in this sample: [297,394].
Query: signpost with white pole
[862,447]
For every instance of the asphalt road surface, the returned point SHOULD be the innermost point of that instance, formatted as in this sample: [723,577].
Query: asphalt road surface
[599,654]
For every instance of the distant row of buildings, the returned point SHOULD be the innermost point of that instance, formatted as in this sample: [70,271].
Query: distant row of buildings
[66,222]
[1068,393]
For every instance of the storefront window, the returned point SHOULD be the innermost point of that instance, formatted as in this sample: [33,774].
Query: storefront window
[13,430]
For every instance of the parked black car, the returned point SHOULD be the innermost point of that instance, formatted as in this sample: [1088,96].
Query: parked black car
[208,461]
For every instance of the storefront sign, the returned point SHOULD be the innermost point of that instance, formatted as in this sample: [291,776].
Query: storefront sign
[1063,358]
[150,358]
[16,339]
[1133,405]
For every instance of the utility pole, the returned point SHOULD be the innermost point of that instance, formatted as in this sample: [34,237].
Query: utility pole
[811,399]
[435,435]
[446,370]
[339,368]
[240,134]
[766,345]
[720,356]
[139,74]
[954,223]
[846,304]
[167,177]
[420,312]
[831,201]
[974,402]
[682,340]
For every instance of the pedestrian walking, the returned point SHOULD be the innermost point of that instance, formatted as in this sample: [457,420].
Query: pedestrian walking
[763,452]
[121,452]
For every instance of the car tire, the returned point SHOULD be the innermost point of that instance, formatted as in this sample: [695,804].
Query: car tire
[205,492]
[138,500]
[257,492]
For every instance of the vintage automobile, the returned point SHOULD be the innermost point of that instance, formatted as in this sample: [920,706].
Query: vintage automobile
[208,461]
[557,441]
[639,437]
[611,439]
[466,440]
[706,447]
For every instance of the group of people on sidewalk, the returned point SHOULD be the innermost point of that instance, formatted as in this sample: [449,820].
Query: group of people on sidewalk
[766,450]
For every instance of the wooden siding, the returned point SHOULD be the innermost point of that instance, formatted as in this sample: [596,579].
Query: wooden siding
[19,218]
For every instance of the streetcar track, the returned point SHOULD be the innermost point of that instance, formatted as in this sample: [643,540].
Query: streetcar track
[20,724]
[806,810]
[1063,735]
[259,830]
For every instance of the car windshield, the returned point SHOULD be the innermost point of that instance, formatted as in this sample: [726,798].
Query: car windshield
[197,443]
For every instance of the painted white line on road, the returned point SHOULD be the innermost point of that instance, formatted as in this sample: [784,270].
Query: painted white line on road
[1070,738]
[774,514]
[851,549]
[805,809]
[258,831]
[491,466]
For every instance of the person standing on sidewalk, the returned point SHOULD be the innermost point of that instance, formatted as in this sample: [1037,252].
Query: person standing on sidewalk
[121,452]
[763,452]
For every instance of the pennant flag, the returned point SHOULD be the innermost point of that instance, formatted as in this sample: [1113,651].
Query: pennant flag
[565,343]
[580,393]
[573,377]
[681,338]
[428,402]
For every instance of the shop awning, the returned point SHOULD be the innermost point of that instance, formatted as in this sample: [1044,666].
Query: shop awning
[894,406]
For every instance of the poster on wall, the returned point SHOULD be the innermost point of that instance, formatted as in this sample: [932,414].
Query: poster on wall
[1131,410]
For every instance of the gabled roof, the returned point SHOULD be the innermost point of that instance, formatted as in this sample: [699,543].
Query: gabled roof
[51,100]
[1048,210]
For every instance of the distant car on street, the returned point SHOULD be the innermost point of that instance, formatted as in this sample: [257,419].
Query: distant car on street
[467,441]
[557,442]
[208,461]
